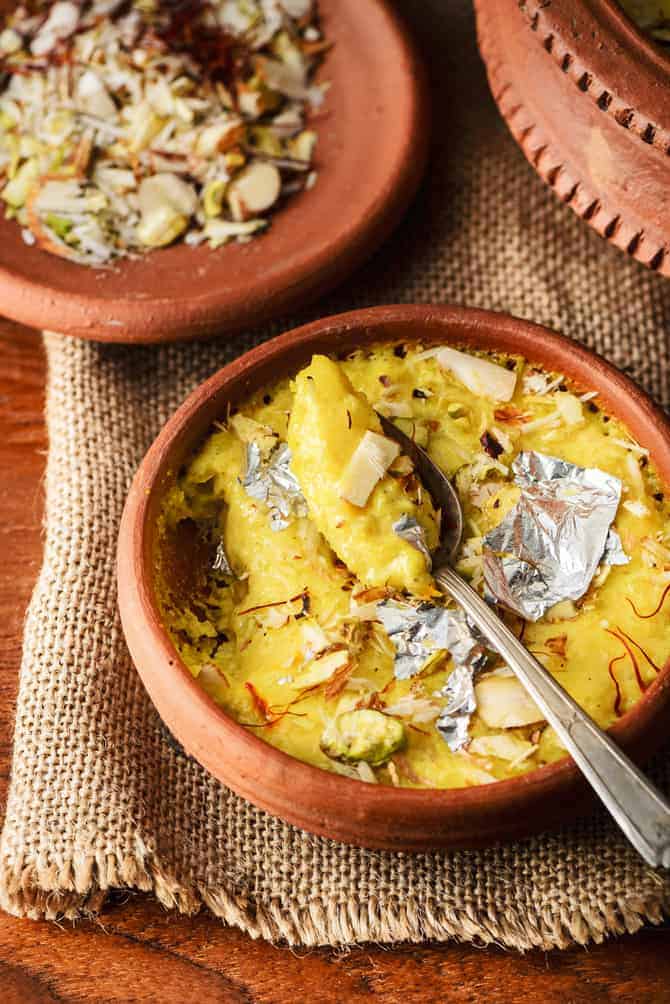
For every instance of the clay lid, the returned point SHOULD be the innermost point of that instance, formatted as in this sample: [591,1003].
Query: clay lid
[370,157]
[609,58]
[585,94]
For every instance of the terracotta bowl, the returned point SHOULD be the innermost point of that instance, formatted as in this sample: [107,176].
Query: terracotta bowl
[316,800]
[587,96]
[370,157]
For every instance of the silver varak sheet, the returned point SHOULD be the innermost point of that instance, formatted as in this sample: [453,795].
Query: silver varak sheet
[407,528]
[454,721]
[221,563]
[419,632]
[548,547]
[272,481]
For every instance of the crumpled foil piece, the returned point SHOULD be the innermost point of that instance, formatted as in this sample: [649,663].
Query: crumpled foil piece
[410,530]
[221,563]
[272,481]
[454,721]
[419,632]
[548,547]
[614,553]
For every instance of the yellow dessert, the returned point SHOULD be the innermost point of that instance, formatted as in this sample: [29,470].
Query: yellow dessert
[278,616]
[340,459]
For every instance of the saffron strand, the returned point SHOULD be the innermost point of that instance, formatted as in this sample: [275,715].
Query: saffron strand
[617,685]
[658,608]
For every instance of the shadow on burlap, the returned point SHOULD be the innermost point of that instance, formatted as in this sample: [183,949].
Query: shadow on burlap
[99,799]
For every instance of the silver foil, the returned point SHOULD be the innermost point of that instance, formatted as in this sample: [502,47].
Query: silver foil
[272,481]
[548,547]
[454,721]
[408,529]
[417,634]
[614,553]
[221,563]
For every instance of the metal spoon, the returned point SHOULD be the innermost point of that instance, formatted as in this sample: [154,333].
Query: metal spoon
[638,807]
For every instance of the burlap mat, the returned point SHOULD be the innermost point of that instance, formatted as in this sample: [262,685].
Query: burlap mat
[99,798]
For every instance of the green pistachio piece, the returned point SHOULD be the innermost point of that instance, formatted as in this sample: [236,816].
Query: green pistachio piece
[59,224]
[263,140]
[363,734]
[212,197]
[6,121]
[284,48]
[301,147]
[16,191]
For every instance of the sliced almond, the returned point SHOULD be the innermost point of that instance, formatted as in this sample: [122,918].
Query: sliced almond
[250,431]
[297,9]
[92,97]
[368,464]
[219,232]
[570,408]
[62,20]
[218,137]
[10,41]
[161,98]
[166,202]
[160,227]
[167,190]
[69,196]
[503,747]
[253,190]
[479,375]
[502,703]
[321,669]
[637,508]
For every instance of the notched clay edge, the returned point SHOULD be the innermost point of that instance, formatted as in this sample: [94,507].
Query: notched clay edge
[570,189]
[600,93]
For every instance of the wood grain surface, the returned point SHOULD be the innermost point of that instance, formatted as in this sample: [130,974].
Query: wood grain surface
[137,952]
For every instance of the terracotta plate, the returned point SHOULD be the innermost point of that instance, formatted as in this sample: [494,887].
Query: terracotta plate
[370,156]
[325,803]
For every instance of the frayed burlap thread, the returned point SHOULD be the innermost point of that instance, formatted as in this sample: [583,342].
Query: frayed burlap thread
[99,799]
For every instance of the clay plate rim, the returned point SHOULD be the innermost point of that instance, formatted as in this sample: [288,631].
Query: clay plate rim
[323,803]
[371,154]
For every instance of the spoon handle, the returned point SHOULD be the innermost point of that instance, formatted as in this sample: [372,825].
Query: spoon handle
[638,807]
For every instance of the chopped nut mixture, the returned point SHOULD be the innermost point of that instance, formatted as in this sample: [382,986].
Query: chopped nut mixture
[127,126]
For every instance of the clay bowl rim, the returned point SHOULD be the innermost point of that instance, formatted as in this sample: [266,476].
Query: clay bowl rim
[384,817]
[184,293]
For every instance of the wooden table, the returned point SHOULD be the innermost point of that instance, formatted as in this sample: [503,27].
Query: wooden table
[138,952]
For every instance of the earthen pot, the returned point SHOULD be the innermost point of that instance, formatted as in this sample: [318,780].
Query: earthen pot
[318,801]
[587,96]
[370,156]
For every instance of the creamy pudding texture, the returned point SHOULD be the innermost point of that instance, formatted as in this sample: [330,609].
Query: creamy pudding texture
[270,593]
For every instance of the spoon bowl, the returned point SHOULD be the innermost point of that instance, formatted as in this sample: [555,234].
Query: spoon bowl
[441,491]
